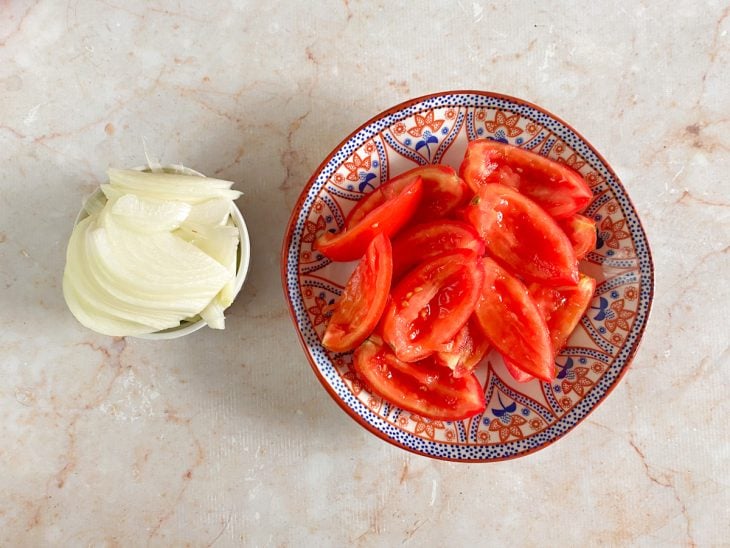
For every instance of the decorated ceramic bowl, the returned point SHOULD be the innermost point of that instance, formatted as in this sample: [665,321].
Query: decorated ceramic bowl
[520,417]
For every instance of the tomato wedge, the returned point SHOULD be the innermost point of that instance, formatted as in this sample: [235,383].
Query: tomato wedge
[558,189]
[387,191]
[425,388]
[387,218]
[464,352]
[521,235]
[425,241]
[512,322]
[581,231]
[432,303]
[562,309]
[518,374]
[361,305]
[443,191]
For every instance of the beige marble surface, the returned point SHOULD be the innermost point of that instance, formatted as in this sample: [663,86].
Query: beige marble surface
[227,438]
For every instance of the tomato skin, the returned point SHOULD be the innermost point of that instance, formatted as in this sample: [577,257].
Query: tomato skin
[424,387]
[464,352]
[361,305]
[558,189]
[524,238]
[422,242]
[517,374]
[443,191]
[387,191]
[387,219]
[581,231]
[432,303]
[562,308]
[512,322]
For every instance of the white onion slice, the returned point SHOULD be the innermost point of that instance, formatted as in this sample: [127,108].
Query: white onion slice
[148,215]
[95,203]
[219,242]
[140,264]
[94,319]
[214,212]
[169,186]
[213,315]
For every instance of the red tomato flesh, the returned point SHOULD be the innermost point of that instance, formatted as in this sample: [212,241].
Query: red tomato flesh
[425,241]
[518,374]
[425,388]
[464,352]
[581,231]
[443,191]
[522,236]
[387,218]
[361,305]
[562,308]
[558,189]
[387,191]
[512,322]
[432,303]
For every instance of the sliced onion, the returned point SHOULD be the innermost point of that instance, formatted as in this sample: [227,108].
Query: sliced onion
[149,215]
[214,212]
[140,264]
[213,315]
[95,203]
[94,319]
[168,186]
[219,242]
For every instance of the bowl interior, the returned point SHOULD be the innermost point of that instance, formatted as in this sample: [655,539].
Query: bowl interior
[520,417]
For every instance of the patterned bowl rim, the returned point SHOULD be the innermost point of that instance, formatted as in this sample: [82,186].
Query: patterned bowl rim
[288,235]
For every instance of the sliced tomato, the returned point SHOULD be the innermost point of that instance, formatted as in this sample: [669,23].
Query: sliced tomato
[581,231]
[424,387]
[443,191]
[387,191]
[421,242]
[563,307]
[387,218]
[361,305]
[558,189]
[431,303]
[518,374]
[522,236]
[464,352]
[512,322]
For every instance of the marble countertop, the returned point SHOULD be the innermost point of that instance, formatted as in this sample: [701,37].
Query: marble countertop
[228,438]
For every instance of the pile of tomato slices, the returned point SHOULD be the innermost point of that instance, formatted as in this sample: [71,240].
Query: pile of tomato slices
[453,265]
